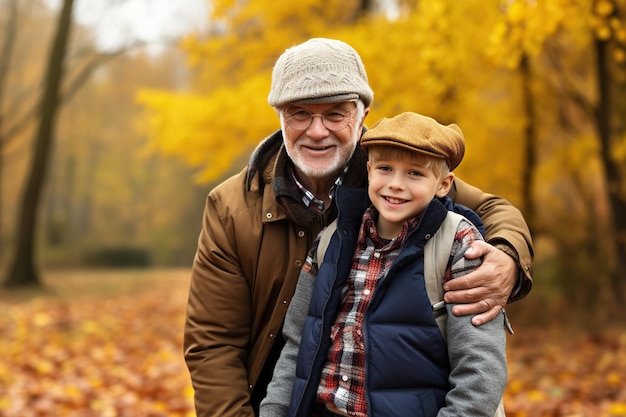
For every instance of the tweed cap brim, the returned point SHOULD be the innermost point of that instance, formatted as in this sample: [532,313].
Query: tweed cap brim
[336,98]
[422,134]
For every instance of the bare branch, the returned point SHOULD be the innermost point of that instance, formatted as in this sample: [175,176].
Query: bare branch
[71,88]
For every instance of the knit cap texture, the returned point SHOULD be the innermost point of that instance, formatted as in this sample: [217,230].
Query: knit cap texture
[319,70]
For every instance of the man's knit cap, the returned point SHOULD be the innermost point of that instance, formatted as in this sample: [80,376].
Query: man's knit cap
[319,71]
[418,133]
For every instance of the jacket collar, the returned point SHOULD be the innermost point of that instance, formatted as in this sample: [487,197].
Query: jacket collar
[262,161]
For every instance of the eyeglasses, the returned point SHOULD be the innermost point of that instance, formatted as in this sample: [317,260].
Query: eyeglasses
[300,119]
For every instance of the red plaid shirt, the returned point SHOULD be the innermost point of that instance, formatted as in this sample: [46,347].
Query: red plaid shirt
[342,384]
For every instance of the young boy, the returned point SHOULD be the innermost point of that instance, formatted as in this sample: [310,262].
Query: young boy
[361,338]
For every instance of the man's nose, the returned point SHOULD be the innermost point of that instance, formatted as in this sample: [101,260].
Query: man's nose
[317,127]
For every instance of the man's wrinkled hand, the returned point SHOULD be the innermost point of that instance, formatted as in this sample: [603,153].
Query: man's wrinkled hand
[486,290]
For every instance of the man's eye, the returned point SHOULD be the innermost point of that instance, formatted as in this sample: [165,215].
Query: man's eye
[335,116]
[300,114]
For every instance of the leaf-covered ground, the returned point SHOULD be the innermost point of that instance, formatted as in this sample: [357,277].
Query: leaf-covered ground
[109,344]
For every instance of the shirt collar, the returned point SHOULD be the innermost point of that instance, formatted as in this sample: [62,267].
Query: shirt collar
[308,198]
[370,231]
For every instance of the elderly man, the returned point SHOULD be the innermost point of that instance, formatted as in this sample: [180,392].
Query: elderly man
[258,225]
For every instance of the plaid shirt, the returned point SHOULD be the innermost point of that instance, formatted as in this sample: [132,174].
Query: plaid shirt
[308,198]
[342,383]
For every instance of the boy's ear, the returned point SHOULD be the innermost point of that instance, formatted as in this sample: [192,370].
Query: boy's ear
[446,185]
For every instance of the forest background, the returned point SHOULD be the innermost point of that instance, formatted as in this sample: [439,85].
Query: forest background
[106,156]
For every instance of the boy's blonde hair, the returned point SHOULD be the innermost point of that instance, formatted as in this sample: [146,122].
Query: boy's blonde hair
[377,153]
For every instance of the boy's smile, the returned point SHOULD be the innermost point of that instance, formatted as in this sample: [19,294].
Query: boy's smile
[401,189]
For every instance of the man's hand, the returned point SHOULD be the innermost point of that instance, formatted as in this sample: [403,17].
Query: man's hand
[484,291]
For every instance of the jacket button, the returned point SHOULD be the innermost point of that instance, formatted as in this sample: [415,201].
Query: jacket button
[268,215]
[272,336]
[301,233]
[427,236]
[298,263]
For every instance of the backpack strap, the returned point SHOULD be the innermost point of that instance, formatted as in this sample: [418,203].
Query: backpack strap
[436,257]
[325,236]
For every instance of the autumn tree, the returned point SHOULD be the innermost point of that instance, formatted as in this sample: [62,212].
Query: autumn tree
[6,54]
[549,34]
[21,78]
[22,269]
[102,189]
[28,21]
[610,50]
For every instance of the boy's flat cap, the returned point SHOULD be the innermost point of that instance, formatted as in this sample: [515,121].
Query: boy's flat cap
[418,133]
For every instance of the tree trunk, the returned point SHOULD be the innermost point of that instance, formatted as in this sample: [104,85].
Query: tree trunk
[530,136]
[22,271]
[366,6]
[6,55]
[611,172]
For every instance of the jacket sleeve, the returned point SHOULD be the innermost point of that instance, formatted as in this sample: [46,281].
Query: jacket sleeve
[505,228]
[277,399]
[478,367]
[217,325]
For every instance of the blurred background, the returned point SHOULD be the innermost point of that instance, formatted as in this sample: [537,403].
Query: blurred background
[118,116]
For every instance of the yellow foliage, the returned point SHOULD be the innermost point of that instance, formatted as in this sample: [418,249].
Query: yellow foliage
[210,131]
[431,59]
[525,26]
[536,396]
[455,61]
[618,409]
[603,32]
[250,35]
[619,150]
[614,379]
[603,8]
[41,319]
